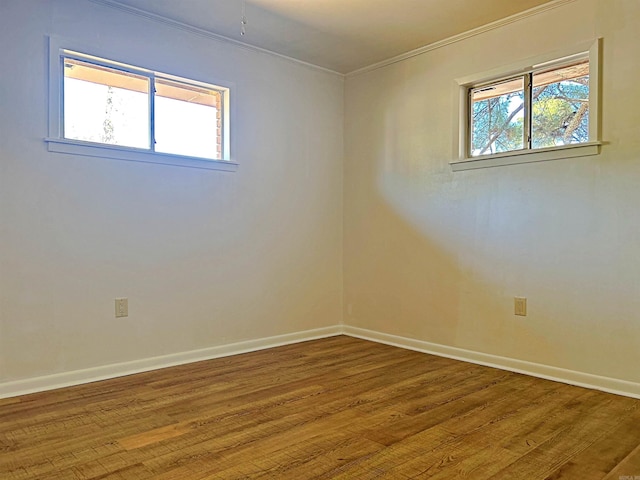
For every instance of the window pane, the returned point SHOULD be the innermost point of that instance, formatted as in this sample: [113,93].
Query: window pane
[188,120]
[560,102]
[105,105]
[497,117]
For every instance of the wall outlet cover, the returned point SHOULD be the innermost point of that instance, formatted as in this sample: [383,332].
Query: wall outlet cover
[122,307]
[520,306]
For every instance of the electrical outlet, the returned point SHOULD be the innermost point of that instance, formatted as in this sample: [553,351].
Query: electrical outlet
[122,307]
[520,306]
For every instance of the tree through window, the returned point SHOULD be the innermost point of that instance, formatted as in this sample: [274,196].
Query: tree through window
[540,109]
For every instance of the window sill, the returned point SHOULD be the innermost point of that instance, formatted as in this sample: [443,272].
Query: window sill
[527,156]
[73,147]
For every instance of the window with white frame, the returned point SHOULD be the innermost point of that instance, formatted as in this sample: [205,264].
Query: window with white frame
[102,107]
[541,109]
[530,113]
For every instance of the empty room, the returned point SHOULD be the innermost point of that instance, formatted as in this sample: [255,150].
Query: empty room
[319,239]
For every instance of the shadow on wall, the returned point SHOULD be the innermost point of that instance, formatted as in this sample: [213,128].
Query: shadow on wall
[399,281]
[438,256]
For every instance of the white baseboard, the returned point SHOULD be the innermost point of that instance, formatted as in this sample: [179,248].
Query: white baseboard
[77,377]
[580,379]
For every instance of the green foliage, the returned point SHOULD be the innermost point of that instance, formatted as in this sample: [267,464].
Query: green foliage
[560,113]
[498,124]
[560,116]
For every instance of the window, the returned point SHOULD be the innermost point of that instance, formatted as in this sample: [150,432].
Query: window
[105,108]
[540,109]
[541,112]
[105,105]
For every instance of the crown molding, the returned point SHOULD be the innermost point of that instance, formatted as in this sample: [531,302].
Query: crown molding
[390,61]
[462,36]
[206,33]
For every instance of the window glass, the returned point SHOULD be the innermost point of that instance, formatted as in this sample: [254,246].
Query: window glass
[560,106]
[497,117]
[188,119]
[540,108]
[105,105]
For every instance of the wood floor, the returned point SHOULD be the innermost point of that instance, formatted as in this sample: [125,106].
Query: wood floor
[337,408]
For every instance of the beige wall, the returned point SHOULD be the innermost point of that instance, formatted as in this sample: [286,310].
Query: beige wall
[438,256]
[206,258]
[211,258]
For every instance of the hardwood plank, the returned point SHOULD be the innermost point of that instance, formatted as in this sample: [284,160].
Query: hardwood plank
[604,455]
[629,467]
[155,435]
[333,408]
[599,415]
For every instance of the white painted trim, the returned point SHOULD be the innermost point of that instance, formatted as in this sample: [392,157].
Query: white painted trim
[528,156]
[206,33]
[88,149]
[77,377]
[571,377]
[60,47]
[398,58]
[462,137]
[461,36]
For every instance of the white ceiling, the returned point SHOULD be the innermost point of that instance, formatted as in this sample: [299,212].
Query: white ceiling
[341,35]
